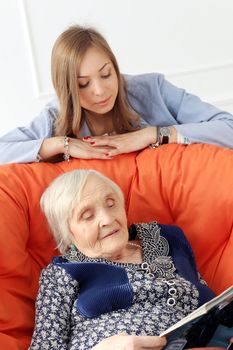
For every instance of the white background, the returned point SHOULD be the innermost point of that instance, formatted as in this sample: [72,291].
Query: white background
[190,41]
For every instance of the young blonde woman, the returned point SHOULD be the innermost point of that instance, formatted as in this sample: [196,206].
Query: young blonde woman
[100,113]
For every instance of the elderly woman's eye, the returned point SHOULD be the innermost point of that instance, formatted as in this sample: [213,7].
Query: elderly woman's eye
[87,215]
[110,202]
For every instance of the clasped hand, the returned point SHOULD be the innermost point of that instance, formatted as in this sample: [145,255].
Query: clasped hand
[113,145]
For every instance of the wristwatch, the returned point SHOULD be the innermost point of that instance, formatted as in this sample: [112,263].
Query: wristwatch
[165,133]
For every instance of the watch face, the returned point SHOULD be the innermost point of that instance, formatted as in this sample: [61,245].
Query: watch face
[165,131]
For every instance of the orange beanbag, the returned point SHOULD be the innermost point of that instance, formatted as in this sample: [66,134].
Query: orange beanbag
[189,186]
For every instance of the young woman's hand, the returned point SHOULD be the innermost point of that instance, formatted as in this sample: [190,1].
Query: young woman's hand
[125,143]
[81,149]
[131,342]
[129,142]
[77,148]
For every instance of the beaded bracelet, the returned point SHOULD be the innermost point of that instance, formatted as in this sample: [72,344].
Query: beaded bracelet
[66,154]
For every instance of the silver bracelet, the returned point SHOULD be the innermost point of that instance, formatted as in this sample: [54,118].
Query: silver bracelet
[66,154]
[157,143]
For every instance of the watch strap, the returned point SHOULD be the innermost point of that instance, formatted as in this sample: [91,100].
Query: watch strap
[164,135]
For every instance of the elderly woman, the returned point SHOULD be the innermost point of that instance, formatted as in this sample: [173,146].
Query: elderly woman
[113,286]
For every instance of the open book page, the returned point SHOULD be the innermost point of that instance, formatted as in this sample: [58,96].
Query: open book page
[219,301]
[212,323]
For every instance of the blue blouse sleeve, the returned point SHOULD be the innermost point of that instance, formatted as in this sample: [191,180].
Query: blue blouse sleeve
[159,102]
[56,296]
[201,122]
[22,144]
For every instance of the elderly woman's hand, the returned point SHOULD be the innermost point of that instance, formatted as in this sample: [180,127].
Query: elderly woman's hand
[131,342]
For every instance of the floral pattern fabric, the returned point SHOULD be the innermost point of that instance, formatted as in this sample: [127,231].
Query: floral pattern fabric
[59,325]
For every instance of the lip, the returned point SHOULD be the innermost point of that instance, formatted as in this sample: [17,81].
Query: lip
[104,102]
[111,233]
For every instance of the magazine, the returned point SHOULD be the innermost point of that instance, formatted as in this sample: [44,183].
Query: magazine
[197,329]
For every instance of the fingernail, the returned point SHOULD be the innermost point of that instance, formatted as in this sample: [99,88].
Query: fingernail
[92,143]
[106,154]
[86,137]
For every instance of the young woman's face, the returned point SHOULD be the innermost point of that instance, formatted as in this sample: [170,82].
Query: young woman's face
[98,83]
[99,224]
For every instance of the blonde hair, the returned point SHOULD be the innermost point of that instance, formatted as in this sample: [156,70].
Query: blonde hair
[62,196]
[67,54]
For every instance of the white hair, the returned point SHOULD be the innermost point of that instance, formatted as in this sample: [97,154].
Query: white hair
[62,196]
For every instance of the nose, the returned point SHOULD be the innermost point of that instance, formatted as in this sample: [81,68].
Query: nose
[97,87]
[105,218]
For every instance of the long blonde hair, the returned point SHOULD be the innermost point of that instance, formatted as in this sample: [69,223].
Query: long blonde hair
[67,54]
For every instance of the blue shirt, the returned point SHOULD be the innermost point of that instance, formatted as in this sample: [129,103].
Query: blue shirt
[157,101]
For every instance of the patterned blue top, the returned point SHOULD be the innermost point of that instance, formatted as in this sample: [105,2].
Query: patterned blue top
[160,295]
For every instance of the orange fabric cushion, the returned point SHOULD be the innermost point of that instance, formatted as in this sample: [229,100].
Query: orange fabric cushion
[187,186]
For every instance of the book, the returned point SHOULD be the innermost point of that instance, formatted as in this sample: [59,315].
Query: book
[197,328]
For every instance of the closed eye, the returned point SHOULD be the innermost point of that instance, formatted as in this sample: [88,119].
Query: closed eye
[106,76]
[87,215]
[110,202]
[81,86]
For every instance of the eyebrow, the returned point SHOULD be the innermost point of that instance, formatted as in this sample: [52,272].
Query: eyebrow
[86,76]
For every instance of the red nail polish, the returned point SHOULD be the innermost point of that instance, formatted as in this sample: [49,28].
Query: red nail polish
[86,137]
[92,143]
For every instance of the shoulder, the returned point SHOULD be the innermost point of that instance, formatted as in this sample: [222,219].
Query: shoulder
[173,232]
[178,243]
[151,95]
[153,229]
[135,83]
[51,109]
[55,274]
[43,124]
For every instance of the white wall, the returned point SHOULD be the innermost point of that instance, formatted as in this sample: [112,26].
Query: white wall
[188,40]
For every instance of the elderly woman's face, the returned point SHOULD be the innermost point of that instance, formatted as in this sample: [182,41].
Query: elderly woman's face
[99,223]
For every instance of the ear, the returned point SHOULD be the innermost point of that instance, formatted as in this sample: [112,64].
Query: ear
[71,225]
[73,241]
[71,229]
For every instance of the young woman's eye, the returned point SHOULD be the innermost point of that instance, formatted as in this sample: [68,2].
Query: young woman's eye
[105,76]
[82,86]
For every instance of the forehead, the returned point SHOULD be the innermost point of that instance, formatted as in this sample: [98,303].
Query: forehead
[94,59]
[94,188]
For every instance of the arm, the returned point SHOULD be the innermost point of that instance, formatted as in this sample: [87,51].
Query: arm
[128,142]
[159,102]
[201,122]
[23,144]
[56,296]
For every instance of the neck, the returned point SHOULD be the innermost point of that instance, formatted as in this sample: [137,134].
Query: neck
[132,253]
[99,124]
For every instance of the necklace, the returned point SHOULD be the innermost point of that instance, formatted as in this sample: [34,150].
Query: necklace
[135,245]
